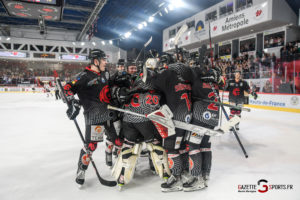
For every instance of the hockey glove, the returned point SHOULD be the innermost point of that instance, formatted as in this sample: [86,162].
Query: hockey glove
[74,109]
[254,95]
[123,95]
[213,75]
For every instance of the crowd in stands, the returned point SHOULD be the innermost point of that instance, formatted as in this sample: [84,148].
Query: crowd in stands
[250,67]
[290,51]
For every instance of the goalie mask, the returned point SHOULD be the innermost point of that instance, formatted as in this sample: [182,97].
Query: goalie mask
[151,63]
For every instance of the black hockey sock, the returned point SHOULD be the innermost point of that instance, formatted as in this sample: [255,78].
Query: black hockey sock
[206,162]
[175,163]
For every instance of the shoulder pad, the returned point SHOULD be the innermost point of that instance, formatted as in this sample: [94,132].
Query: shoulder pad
[80,75]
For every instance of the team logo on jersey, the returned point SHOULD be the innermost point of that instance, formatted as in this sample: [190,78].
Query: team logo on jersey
[104,95]
[207,115]
[98,129]
[188,118]
[103,80]
[236,92]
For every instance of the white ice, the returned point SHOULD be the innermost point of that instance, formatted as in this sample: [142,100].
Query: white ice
[39,150]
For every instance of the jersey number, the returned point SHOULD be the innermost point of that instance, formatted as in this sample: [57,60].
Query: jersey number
[187,100]
[150,100]
[213,106]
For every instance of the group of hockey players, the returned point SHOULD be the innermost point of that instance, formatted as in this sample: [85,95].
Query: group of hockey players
[182,158]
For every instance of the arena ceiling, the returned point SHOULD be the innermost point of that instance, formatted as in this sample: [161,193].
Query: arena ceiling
[115,18]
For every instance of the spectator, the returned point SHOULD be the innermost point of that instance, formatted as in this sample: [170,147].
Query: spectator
[267,87]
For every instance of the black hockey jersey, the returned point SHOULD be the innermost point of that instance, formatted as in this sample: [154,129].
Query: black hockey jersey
[174,83]
[93,91]
[236,90]
[144,101]
[204,113]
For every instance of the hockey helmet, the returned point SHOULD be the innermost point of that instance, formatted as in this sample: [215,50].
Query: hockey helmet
[97,54]
[121,62]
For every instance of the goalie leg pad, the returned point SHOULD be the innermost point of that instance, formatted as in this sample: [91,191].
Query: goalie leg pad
[159,159]
[127,161]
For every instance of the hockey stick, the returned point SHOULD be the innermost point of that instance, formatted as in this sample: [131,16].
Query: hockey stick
[178,35]
[224,104]
[227,117]
[164,116]
[65,99]
[218,99]
[145,45]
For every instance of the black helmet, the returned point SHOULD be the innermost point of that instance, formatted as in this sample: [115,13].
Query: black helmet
[97,54]
[130,62]
[121,62]
[167,58]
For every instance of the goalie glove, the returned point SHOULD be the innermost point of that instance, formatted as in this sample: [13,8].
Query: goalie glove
[74,109]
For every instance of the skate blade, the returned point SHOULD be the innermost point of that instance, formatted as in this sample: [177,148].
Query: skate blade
[193,189]
[120,187]
[176,189]
[80,187]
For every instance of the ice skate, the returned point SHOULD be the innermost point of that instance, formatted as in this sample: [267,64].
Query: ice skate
[173,184]
[196,183]
[80,178]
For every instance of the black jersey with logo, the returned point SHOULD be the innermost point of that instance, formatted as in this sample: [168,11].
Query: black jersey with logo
[93,91]
[204,113]
[174,83]
[236,90]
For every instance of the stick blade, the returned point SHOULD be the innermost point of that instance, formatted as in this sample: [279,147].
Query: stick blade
[183,29]
[148,42]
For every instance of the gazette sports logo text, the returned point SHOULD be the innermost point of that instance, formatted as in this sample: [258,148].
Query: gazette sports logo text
[263,186]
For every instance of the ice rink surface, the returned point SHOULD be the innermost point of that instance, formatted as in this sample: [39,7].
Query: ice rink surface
[39,149]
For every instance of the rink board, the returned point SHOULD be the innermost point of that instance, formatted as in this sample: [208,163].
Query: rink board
[278,102]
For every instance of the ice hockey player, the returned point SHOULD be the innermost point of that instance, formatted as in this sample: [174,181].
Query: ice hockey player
[138,129]
[57,95]
[238,88]
[205,114]
[174,83]
[47,89]
[93,90]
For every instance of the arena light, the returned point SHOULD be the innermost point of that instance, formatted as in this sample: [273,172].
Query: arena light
[151,19]
[171,7]
[264,4]
[160,14]
[177,3]
[8,38]
[110,42]
[74,43]
[103,42]
[140,26]
[160,5]
[166,10]
[94,43]
[145,24]
[127,35]
[82,43]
